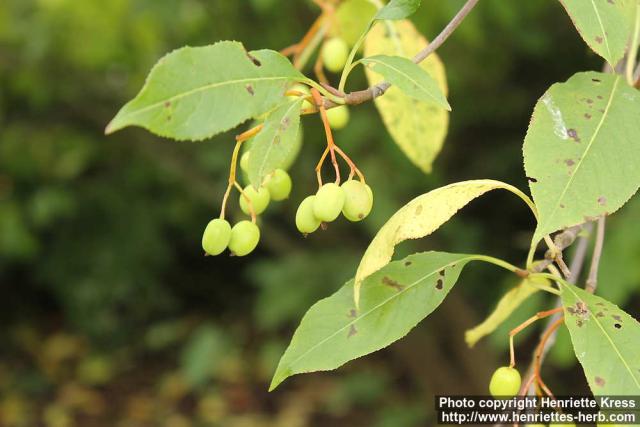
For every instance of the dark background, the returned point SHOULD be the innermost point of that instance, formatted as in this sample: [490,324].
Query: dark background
[111,316]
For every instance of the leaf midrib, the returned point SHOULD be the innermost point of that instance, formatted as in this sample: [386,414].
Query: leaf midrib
[604,34]
[604,332]
[375,308]
[203,89]
[270,143]
[584,155]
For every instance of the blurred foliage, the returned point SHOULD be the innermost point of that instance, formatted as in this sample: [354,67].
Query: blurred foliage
[111,315]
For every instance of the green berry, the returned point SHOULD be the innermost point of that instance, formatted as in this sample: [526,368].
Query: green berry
[302,89]
[338,117]
[335,53]
[259,199]
[505,382]
[245,236]
[216,236]
[306,220]
[358,200]
[279,185]
[328,202]
[562,425]
[244,161]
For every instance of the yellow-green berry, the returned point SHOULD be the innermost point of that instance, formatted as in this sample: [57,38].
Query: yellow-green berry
[259,199]
[279,185]
[335,53]
[505,382]
[245,236]
[216,236]
[306,220]
[338,117]
[358,200]
[328,202]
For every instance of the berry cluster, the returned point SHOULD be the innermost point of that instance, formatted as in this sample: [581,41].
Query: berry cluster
[354,199]
[243,238]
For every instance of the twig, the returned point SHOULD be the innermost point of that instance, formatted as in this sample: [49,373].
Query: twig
[592,280]
[577,263]
[361,96]
[561,241]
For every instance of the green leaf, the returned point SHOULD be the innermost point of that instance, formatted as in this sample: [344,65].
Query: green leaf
[605,340]
[272,146]
[195,93]
[394,300]
[581,152]
[412,79]
[418,128]
[421,217]
[605,25]
[398,9]
[506,306]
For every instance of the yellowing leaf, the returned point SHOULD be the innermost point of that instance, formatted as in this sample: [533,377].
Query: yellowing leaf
[507,305]
[421,217]
[418,128]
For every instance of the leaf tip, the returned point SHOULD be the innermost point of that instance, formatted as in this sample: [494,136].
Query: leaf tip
[110,128]
[114,125]
[278,378]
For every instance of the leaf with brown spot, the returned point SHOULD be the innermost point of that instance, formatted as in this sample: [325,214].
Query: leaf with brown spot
[606,159]
[271,147]
[207,90]
[609,354]
[333,332]
[604,25]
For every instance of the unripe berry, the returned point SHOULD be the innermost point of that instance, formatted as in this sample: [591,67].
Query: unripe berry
[358,200]
[335,53]
[505,382]
[338,117]
[244,161]
[328,202]
[298,87]
[245,236]
[279,185]
[564,425]
[306,220]
[259,199]
[216,236]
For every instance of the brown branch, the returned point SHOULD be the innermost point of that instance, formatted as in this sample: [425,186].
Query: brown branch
[361,96]
[561,241]
[576,266]
[592,280]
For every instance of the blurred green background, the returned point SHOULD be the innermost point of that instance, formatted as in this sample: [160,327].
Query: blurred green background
[111,316]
